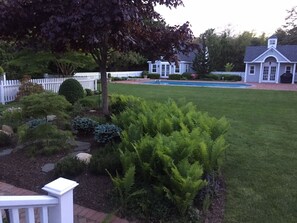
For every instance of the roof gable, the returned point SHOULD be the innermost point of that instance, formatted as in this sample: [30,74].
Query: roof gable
[282,52]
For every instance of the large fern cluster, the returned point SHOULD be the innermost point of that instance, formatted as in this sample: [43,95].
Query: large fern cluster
[171,147]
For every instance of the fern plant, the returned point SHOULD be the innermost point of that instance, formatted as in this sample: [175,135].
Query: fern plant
[125,185]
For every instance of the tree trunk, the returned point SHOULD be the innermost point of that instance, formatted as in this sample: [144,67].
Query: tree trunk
[104,89]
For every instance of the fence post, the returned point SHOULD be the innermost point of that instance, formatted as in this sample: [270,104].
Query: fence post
[2,92]
[62,189]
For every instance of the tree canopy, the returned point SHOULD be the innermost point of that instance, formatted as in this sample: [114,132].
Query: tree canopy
[95,27]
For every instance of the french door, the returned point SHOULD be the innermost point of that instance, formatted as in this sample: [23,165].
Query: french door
[269,72]
[165,69]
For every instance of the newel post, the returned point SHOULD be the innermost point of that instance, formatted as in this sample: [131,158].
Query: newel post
[62,189]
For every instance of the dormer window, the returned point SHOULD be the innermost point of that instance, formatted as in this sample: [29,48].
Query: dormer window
[272,42]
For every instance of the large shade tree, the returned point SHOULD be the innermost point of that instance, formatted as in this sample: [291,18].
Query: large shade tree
[95,27]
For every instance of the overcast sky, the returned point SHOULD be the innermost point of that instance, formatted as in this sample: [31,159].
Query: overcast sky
[254,15]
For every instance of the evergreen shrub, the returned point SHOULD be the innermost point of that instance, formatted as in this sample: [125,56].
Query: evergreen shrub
[153,76]
[72,90]
[106,133]
[175,77]
[84,125]
[69,167]
[28,88]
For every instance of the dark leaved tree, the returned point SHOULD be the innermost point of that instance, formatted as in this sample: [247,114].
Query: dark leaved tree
[95,27]
[201,60]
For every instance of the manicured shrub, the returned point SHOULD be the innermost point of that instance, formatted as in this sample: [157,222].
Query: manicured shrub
[106,133]
[41,105]
[84,125]
[72,90]
[69,167]
[28,88]
[175,77]
[44,139]
[153,76]
[89,92]
[187,75]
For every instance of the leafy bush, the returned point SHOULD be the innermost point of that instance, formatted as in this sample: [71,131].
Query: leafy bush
[44,139]
[12,116]
[72,90]
[153,76]
[105,159]
[175,77]
[89,92]
[28,88]
[69,167]
[1,70]
[230,77]
[187,75]
[90,102]
[144,73]
[84,125]
[106,133]
[119,103]
[41,105]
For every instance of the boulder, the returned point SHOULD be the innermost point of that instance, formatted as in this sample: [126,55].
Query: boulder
[51,118]
[7,129]
[84,157]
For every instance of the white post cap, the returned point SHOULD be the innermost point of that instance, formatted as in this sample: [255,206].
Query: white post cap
[60,186]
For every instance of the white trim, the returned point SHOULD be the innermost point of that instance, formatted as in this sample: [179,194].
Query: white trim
[261,72]
[277,73]
[255,60]
[245,73]
[294,72]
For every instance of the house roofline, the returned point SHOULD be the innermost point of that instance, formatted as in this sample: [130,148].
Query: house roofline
[267,51]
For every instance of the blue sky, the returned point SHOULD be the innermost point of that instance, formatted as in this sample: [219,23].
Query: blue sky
[256,16]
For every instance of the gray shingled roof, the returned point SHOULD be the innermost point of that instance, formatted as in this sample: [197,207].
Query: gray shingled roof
[190,57]
[289,51]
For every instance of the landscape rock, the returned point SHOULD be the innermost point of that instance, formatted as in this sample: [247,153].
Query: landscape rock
[48,167]
[51,118]
[7,129]
[6,152]
[84,157]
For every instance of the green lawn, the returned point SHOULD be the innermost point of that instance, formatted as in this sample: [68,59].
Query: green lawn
[260,167]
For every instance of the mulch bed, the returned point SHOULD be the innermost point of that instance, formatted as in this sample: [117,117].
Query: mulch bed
[93,192]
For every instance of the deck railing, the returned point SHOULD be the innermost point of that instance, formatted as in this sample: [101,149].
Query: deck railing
[57,207]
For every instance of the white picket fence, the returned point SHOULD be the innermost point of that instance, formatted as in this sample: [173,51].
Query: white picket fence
[57,207]
[119,74]
[9,88]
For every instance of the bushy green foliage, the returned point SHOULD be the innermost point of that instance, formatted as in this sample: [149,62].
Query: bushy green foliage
[83,125]
[41,105]
[1,70]
[229,67]
[172,148]
[187,75]
[44,139]
[89,92]
[90,102]
[12,116]
[153,76]
[106,158]
[69,167]
[175,77]
[28,88]
[105,133]
[72,90]
[119,103]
